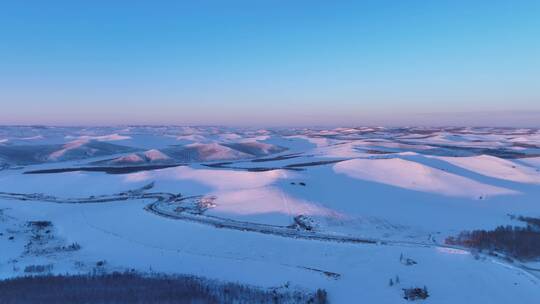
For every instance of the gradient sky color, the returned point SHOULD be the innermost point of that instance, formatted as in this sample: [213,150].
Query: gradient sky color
[270,62]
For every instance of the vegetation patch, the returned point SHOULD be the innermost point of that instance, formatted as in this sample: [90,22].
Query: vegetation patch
[517,242]
[133,288]
[38,268]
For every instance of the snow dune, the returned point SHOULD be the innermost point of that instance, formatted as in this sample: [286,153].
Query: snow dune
[230,136]
[81,141]
[216,179]
[192,138]
[155,155]
[496,167]
[317,141]
[341,150]
[215,151]
[528,139]
[240,192]
[150,156]
[82,148]
[127,159]
[203,152]
[263,201]
[109,137]
[414,176]
[256,148]
[231,180]
[459,140]
[56,155]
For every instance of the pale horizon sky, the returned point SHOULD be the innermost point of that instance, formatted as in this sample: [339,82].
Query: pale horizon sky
[270,63]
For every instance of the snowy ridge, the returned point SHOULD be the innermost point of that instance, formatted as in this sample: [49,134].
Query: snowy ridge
[414,176]
[496,167]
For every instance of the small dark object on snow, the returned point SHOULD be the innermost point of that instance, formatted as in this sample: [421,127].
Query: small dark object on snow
[413,294]
[100,263]
[38,268]
[408,262]
[39,224]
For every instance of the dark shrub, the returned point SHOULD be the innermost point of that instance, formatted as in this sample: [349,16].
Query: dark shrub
[413,294]
[38,268]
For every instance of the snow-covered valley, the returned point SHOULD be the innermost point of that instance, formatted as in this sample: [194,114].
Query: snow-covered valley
[362,213]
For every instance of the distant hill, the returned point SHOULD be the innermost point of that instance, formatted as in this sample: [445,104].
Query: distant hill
[76,150]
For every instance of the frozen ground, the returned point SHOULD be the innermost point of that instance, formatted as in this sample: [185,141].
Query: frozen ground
[339,209]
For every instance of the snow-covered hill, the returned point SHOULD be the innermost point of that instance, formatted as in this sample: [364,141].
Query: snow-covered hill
[215,151]
[414,176]
[152,156]
[497,168]
[74,150]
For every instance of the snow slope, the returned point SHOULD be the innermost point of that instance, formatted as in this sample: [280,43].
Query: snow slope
[256,148]
[82,148]
[239,193]
[152,156]
[155,155]
[496,167]
[204,152]
[414,176]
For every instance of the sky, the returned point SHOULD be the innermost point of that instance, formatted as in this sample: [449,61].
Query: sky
[274,63]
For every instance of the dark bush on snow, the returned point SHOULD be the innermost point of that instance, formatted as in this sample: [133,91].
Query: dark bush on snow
[37,269]
[40,224]
[72,247]
[413,294]
[133,288]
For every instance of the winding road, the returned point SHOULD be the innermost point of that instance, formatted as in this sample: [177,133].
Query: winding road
[163,198]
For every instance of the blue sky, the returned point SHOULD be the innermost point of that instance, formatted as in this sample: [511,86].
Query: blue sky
[270,62]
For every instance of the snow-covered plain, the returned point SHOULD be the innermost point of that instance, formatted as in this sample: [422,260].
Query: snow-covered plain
[307,199]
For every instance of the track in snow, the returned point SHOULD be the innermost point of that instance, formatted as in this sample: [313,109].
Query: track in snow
[218,222]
